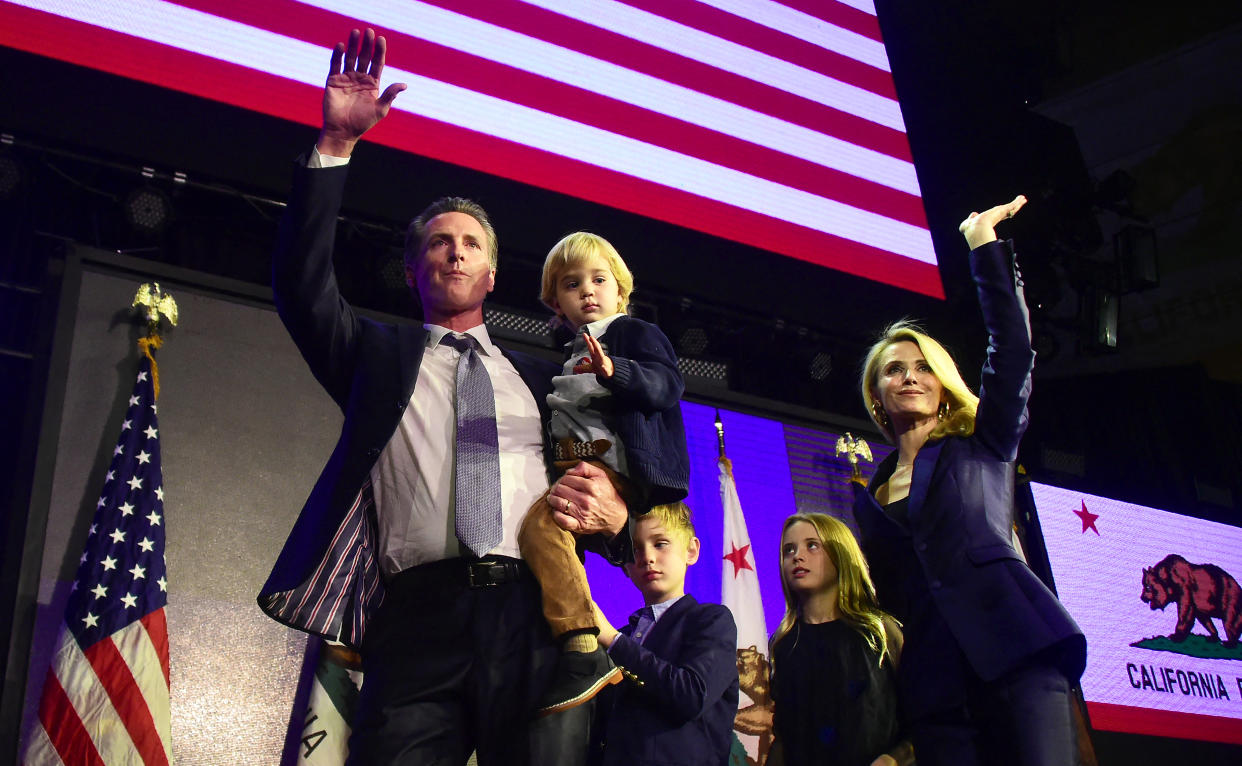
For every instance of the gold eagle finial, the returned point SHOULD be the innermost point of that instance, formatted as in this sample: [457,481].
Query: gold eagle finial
[155,304]
[854,448]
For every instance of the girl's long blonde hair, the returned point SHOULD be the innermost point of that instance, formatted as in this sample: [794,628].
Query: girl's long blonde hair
[855,592]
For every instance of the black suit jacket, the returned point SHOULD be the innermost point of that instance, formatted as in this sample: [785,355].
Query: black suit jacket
[683,712]
[957,546]
[326,579]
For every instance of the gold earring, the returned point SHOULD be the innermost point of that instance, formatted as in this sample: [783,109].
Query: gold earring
[879,414]
[942,413]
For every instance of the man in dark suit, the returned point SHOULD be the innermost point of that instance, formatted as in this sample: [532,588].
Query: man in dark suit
[406,548]
[679,704]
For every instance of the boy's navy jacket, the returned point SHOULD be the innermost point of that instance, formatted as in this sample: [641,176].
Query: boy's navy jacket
[684,709]
[647,388]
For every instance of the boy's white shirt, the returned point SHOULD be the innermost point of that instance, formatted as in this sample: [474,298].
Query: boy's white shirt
[570,400]
[642,629]
[599,326]
[658,610]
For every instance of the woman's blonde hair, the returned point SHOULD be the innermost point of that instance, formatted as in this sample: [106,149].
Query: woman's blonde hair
[962,403]
[581,246]
[855,592]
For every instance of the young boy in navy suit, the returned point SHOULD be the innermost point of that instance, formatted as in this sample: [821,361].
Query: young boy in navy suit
[681,656]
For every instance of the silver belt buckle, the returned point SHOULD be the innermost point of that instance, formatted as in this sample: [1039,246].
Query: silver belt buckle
[479,573]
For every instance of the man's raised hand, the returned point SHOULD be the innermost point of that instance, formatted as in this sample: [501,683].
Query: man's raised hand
[352,103]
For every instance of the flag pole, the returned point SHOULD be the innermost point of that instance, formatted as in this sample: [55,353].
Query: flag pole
[722,458]
[106,695]
[740,593]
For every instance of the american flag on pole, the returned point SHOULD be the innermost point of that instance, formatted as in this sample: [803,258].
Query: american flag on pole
[106,695]
[740,592]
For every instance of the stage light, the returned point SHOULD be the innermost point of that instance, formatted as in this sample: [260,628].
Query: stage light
[148,210]
[687,328]
[525,327]
[709,372]
[692,341]
[392,271]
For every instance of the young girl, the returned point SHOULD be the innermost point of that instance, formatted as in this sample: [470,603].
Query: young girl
[834,655]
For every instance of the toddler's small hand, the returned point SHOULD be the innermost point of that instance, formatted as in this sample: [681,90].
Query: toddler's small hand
[598,363]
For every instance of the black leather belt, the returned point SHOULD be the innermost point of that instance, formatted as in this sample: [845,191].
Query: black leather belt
[494,570]
[472,573]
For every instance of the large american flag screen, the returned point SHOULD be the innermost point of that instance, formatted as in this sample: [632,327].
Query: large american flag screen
[772,124]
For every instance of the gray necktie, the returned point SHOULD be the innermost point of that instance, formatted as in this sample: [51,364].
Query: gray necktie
[477,468]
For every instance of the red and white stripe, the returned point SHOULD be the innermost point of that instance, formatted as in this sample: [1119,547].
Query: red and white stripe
[776,125]
[109,704]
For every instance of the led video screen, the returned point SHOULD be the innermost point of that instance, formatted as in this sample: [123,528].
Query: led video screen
[1158,597]
[772,124]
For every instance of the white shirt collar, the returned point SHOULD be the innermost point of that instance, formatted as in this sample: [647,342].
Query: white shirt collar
[594,329]
[436,332]
[657,610]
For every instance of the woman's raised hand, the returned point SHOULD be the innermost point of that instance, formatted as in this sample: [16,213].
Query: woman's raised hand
[980,228]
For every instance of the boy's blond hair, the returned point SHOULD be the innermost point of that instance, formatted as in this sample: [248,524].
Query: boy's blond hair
[674,517]
[581,246]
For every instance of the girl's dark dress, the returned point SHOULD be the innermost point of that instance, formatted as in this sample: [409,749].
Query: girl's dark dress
[834,705]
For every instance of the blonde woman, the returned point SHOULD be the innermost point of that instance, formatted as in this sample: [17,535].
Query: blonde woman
[990,653]
[835,654]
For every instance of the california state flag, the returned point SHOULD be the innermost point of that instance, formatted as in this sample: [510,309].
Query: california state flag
[324,739]
[740,593]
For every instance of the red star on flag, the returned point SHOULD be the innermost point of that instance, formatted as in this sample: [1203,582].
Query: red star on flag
[739,558]
[740,594]
[1088,519]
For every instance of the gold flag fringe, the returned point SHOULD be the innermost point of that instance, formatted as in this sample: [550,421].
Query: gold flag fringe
[147,345]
